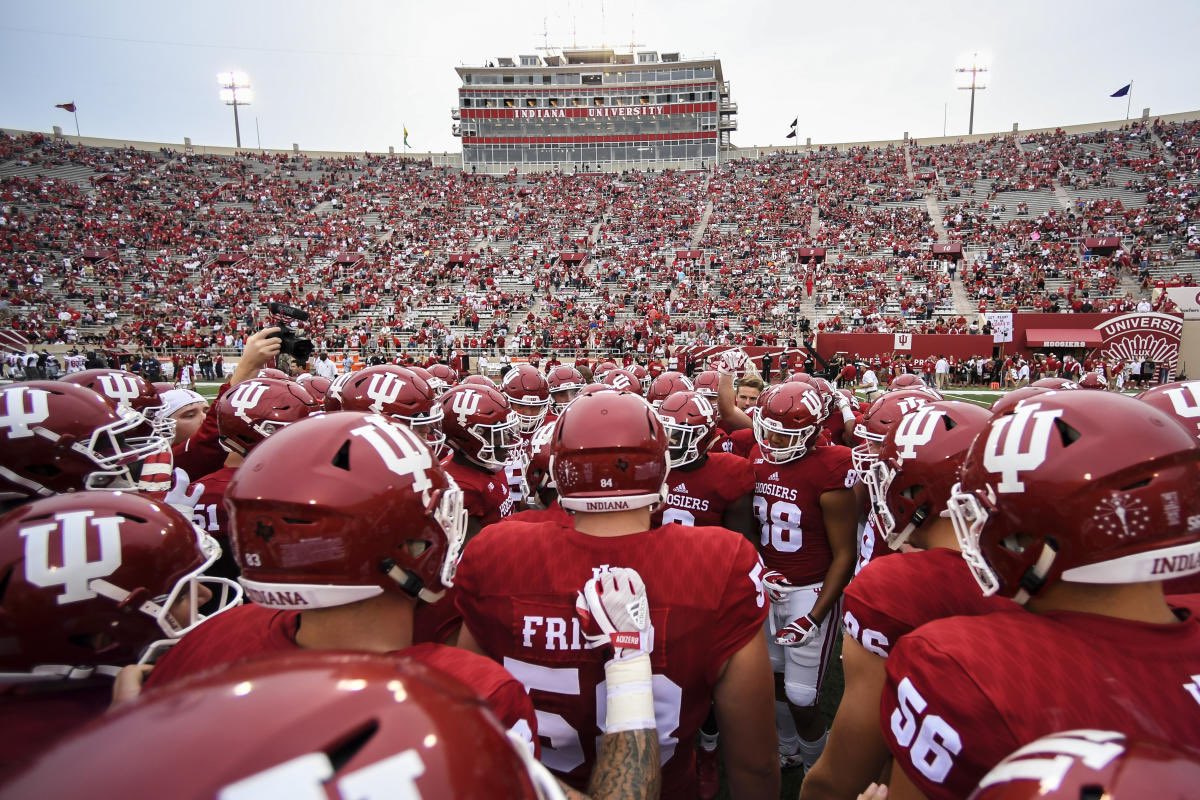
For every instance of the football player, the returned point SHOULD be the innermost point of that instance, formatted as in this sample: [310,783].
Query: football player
[336,556]
[481,430]
[93,581]
[246,415]
[914,469]
[805,505]
[517,586]
[1081,533]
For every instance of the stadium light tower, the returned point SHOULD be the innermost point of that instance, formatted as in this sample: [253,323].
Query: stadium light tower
[978,67]
[235,91]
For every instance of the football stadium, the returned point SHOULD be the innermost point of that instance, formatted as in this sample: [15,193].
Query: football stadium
[632,459]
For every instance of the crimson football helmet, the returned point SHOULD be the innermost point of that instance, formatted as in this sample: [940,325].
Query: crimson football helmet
[643,376]
[1180,399]
[478,380]
[879,418]
[691,423]
[609,453]
[601,368]
[1055,383]
[918,464]
[444,376]
[1087,764]
[254,409]
[623,380]
[311,724]
[827,392]
[528,393]
[398,393]
[565,382]
[707,383]
[333,395]
[907,380]
[95,579]
[799,376]
[1093,380]
[792,412]
[317,387]
[668,383]
[58,437]
[1005,403]
[273,374]
[1046,495]
[364,508]
[127,390]
[480,424]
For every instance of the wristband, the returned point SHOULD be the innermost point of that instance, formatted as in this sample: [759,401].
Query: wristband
[630,694]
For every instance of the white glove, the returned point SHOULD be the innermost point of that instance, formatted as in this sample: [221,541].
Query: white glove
[180,497]
[614,610]
[732,361]
[777,585]
[798,632]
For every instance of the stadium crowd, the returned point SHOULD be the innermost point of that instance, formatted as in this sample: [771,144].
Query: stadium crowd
[166,251]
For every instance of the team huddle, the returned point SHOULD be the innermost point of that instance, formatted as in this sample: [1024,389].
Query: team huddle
[594,582]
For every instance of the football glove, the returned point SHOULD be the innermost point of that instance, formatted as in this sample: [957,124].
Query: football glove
[798,632]
[777,585]
[614,610]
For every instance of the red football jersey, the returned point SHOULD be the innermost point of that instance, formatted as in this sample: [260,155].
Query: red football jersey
[252,630]
[36,715]
[699,497]
[962,693]
[485,494]
[555,513]
[209,513]
[742,442]
[787,504]
[518,585]
[893,596]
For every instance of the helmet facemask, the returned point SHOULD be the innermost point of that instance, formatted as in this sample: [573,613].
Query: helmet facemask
[798,440]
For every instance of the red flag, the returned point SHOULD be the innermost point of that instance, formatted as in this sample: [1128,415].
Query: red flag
[67,106]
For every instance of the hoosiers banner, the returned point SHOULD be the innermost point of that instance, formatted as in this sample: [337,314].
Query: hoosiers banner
[903,341]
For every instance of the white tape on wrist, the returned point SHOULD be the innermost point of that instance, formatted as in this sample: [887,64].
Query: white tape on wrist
[630,693]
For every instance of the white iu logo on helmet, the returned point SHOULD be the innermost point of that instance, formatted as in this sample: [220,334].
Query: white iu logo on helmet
[77,571]
[1050,758]
[1002,453]
[245,396]
[812,401]
[119,387]
[1185,399]
[910,404]
[400,449]
[915,430]
[464,404]
[704,407]
[383,389]
[24,407]
[621,381]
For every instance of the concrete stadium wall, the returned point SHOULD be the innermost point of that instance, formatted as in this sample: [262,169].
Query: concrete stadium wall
[438,159]
[455,159]
[1189,349]
[758,152]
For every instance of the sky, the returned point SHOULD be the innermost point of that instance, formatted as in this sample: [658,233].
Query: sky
[350,75]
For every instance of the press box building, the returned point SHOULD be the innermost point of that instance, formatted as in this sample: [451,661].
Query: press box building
[593,110]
